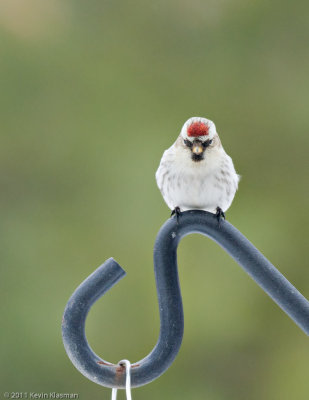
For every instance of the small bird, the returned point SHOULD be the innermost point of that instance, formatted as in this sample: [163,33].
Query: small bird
[195,172]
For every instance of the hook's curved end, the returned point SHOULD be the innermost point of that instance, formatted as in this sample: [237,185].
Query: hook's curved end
[99,370]
[74,318]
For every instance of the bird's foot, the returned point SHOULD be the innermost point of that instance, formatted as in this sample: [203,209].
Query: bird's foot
[176,212]
[219,214]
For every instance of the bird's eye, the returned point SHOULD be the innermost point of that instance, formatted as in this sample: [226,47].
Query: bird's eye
[207,143]
[188,143]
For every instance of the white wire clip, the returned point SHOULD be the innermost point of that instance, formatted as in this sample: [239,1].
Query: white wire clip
[128,380]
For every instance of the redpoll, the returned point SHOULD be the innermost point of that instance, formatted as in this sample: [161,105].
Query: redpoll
[196,172]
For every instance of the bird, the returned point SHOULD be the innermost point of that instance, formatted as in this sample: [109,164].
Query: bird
[195,173]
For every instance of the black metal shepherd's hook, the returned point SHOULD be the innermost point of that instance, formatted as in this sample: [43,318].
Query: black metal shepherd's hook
[169,297]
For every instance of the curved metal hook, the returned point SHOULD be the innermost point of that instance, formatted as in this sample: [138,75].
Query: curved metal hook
[169,298]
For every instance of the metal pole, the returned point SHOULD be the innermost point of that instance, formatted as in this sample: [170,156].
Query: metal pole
[169,298]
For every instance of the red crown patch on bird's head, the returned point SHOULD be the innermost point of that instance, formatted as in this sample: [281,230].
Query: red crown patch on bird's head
[198,129]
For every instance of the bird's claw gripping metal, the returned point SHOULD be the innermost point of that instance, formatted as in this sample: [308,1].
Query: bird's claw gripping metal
[169,297]
[219,214]
[176,212]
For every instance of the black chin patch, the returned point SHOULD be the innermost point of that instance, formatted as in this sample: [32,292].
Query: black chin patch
[197,157]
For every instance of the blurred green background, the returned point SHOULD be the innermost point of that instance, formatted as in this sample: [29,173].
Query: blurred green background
[92,93]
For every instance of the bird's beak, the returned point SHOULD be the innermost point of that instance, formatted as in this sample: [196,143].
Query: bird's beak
[197,148]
